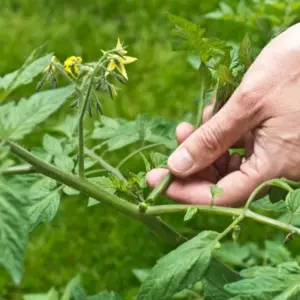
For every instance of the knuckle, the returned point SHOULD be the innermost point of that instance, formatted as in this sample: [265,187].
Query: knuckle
[207,140]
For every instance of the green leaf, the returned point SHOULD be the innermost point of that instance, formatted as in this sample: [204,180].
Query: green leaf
[105,183]
[13,230]
[245,52]
[266,205]
[64,162]
[264,287]
[190,213]
[142,125]
[70,191]
[213,283]
[158,160]
[93,202]
[44,210]
[74,290]
[141,274]
[276,253]
[33,66]
[18,120]
[68,126]
[293,202]
[205,78]
[42,188]
[215,191]
[180,268]
[52,145]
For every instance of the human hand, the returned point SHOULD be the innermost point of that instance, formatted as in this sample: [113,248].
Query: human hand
[263,115]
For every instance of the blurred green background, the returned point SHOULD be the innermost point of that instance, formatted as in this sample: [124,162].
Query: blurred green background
[100,244]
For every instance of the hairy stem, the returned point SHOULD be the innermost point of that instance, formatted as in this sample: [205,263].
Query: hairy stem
[81,128]
[155,224]
[137,152]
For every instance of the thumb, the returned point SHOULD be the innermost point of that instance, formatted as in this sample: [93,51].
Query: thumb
[213,138]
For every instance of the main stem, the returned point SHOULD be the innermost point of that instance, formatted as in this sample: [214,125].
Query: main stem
[81,127]
[155,224]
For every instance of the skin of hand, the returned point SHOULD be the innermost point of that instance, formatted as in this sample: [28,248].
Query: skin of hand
[263,115]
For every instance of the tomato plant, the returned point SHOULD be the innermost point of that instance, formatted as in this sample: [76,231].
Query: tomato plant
[70,160]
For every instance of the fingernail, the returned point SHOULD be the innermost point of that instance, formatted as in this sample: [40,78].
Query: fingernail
[180,160]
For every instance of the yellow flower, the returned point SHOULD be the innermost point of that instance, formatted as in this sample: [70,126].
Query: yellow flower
[118,62]
[72,65]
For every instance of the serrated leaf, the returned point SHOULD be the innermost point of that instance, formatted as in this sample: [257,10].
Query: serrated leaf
[42,188]
[52,145]
[44,210]
[109,122]
[180,268]
[266,205]
[215,191]
[33,66]
[293,202]
[190,213]
[74,290]
[276,253]
[24,116]
[13,231]
[105,183]
[68,126]
[291,293]
[64,162]
[245,52]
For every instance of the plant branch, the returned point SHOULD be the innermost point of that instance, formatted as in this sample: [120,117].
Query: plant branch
[163,185]
[271,182]
[155,224]
[159,210]
[18,170]
[230,227]
[137,152]
[104,164]
[80,128]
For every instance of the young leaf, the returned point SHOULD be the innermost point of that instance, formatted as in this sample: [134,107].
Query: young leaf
[205,78]
[245,52]
[44,210]
[52,145]
[276,253]
[24,116]
[159,160]
[293,202]
[13,231]
[190,213]
[215,191]
[180,268]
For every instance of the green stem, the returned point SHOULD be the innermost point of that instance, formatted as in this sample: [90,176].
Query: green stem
[271,182]
[155,224]
[201,107]
[159,210]
[104,164]
[230,227]
[137,152]
[163,185]
[81,129]
[18,170]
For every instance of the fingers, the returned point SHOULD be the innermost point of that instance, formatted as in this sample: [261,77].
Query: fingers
[207,143]
[237,186]
[183,131]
